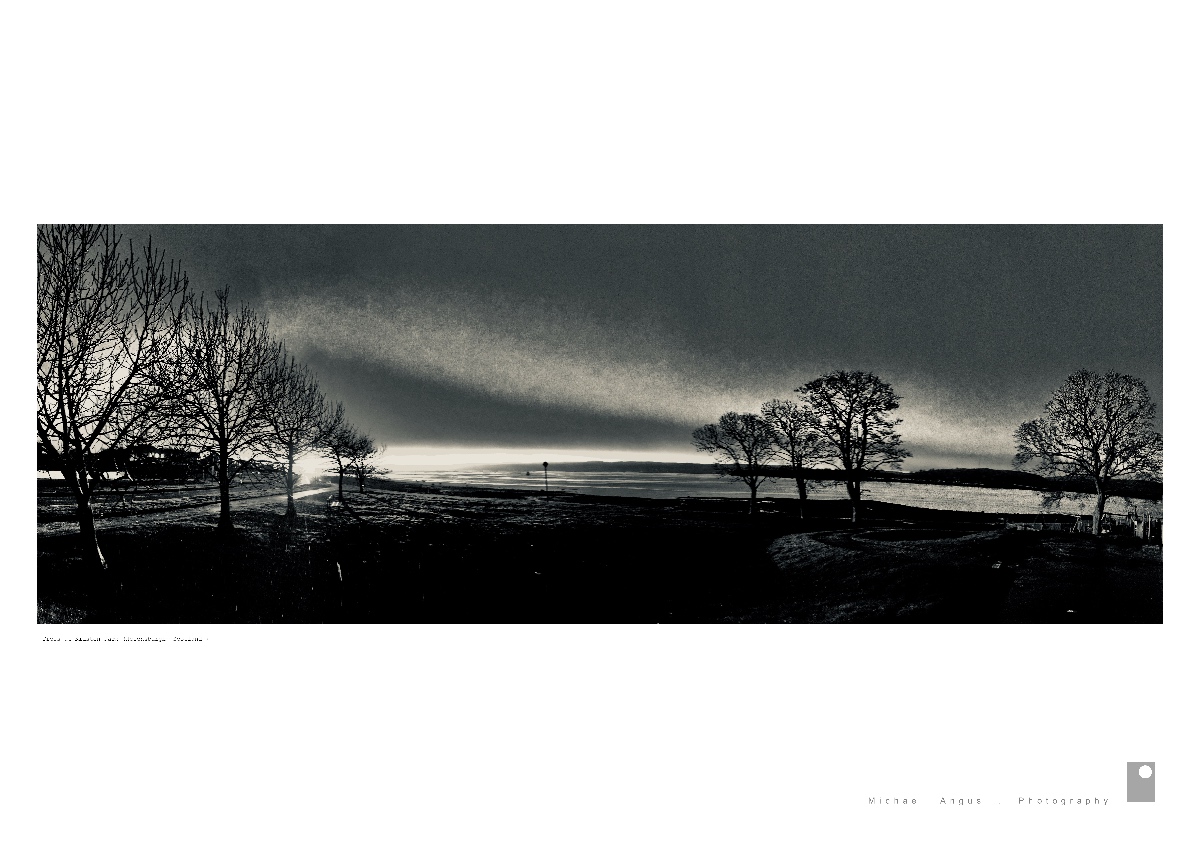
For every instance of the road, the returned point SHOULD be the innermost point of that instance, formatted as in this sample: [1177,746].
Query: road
[119,522]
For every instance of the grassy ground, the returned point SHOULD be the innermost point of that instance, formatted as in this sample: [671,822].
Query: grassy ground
[409,553]
[992,576]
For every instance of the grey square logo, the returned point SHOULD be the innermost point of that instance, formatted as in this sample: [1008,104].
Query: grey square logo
[1139,780]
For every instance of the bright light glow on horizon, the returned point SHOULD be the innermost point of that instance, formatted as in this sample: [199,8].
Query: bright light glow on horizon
[400,459]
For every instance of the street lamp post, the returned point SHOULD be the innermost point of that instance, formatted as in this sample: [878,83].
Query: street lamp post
[546,474]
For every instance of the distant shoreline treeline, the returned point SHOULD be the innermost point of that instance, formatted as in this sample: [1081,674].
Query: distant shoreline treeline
[988,478]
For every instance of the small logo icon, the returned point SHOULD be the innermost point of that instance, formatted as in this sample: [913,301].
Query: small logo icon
[1139,781]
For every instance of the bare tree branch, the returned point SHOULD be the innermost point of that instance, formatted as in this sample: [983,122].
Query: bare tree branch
[295,408]
[107,319]
[794,430]
[851,415]
[743,444]
[1100,427]
[218,383]
[336,441]
[362,451]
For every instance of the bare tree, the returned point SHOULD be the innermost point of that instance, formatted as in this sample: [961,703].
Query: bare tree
[336,442]
[106,318]
[850,412]
[743,445]
[1099,427]
[794,430]
[218,385]
[362,451]
[295,409]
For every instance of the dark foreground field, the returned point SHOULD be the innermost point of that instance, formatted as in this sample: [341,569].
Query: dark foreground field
[404,554]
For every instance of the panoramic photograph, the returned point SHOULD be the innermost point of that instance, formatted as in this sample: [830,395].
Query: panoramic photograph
[599,424]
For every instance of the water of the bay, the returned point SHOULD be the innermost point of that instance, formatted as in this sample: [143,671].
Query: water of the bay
[662,485]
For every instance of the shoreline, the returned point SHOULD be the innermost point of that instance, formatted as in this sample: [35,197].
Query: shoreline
[826,512]
[968,478]
[824,508]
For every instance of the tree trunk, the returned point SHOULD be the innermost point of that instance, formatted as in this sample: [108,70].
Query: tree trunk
[1098,513]
[226,521]
[290,514]
[89,544]
[341,474]
[854,489]
[753,499]
[362,484]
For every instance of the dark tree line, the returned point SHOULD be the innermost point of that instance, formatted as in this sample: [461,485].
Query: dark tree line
[842,419]
[129,355]
[1098,428]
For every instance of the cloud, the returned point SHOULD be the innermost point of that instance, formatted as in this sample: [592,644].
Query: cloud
[528,350]
[636,366]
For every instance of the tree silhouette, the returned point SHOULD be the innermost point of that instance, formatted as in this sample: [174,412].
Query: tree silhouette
[851,414]
[743,445]
[337,442]
[1100,427]
[794,430]
[106,320]
[362,451]
[295,408]
[218,384]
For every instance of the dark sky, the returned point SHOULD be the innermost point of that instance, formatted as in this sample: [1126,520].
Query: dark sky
[587,340]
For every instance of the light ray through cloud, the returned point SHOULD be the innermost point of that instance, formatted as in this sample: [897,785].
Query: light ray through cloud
[521,351]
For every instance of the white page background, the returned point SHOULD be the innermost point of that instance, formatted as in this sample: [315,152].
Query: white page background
[590,735]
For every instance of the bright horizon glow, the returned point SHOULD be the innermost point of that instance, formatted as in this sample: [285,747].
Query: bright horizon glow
[312,466]
[443,457]
[399,459]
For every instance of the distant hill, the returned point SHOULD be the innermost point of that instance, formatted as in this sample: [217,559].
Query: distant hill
[612,467]
[992,478]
